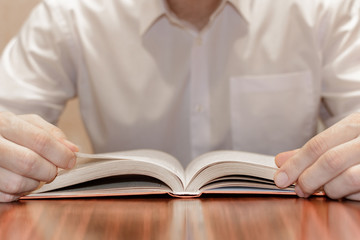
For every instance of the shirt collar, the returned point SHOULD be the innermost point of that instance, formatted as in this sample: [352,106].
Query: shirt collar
[243,7]
[152,10]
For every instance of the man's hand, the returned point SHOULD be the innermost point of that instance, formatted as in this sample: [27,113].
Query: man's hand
[330,160]
[31,150]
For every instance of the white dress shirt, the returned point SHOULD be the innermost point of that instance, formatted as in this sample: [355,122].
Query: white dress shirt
[256,78]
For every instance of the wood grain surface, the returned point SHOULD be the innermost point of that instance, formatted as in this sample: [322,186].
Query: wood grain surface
[168,218]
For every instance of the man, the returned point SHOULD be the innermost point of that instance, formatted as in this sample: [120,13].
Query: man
[187,77]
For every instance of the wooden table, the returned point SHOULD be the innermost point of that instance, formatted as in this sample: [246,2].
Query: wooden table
[233,217]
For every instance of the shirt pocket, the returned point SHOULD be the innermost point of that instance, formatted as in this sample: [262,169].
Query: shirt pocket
[273,113]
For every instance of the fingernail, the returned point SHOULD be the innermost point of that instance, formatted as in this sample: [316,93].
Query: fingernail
[299,192]
[72,162]
[281,179]
[71,145]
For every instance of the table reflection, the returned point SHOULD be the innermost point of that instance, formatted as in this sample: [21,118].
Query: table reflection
[169,218]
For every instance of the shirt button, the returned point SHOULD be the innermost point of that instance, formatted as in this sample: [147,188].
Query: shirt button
[199,108]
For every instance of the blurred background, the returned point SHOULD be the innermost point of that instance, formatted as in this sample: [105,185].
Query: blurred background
[12,15]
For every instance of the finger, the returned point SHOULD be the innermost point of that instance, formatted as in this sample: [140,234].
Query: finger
[25,162]
[281,158]
[36,120]
[14,184]
[355,197]
[330,165]
[25,134]
[346,184]
[313,149]
[4,197]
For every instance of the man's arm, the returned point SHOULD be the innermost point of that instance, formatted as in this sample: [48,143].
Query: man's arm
[38,68]
[330,160]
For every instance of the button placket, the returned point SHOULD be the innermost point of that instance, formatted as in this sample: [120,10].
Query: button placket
[199,98]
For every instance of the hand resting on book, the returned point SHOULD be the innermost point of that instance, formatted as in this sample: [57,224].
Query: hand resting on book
[330,161]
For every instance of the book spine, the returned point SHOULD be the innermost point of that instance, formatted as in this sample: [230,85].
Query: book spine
[185,194]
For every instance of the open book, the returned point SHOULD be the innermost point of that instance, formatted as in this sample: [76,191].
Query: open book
[153,172]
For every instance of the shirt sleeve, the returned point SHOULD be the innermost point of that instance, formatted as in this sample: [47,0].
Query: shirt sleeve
[341,62]
[37,69]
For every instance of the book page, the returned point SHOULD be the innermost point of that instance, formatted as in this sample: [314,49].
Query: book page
[151,163]
[147,155]
[221,163]
[110,186]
